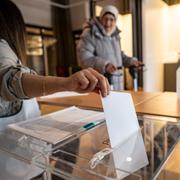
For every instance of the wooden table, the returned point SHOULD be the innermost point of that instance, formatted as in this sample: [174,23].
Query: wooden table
[166,104]
[153,103]
[93,101]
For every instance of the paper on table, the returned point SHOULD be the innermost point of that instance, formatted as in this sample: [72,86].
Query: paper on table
[120,117]
[63,94]
[59,125]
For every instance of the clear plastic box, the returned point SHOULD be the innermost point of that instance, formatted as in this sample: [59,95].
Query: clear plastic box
[88,155]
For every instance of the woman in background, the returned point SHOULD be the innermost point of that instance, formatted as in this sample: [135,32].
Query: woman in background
[99,47]
[19,85]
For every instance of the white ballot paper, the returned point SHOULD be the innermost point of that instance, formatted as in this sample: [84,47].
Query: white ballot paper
[120,117]
[130,156]
[124,133]
[58,126]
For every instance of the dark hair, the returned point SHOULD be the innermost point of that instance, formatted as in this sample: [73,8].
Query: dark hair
[12,28]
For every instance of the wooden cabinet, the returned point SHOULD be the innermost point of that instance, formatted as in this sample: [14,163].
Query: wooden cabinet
[170,76]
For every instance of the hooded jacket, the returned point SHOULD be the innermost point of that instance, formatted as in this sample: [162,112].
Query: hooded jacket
[96,49]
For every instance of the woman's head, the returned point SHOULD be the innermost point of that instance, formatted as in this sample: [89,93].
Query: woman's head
[108,17]
[12,28]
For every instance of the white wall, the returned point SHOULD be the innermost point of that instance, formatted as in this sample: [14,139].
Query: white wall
[124,23]
[35,12]
[161,29]
[174,28]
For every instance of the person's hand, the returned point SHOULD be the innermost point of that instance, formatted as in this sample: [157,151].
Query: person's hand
[87,80]
[136,63]
[110,68]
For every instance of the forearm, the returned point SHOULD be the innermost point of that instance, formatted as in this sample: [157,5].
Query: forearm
[83,81]
[35,85]
[127,60]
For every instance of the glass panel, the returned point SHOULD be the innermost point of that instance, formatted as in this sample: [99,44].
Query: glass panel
[172,167]
[88,157]
[21,147]
[160,135]
[89,154]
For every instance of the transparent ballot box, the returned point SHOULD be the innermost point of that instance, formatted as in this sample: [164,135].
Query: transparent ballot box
[89,156]
[80,157]
[86,152]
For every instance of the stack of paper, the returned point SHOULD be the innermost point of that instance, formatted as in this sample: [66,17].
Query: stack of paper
[59,125]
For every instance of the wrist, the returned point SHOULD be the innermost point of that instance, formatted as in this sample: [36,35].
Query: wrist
[63,84]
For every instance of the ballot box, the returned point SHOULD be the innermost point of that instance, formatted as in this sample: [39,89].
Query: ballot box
[85,153]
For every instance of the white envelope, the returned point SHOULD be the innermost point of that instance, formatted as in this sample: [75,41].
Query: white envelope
[120,115]
[125,136]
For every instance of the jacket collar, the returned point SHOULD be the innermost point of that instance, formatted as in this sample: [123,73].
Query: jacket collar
[98,30]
